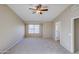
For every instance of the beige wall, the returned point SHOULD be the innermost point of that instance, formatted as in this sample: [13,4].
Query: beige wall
[53,30]
[66,19]
[11,28]
[47,30]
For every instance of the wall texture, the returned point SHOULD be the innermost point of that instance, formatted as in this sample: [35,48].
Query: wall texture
[66,18]
[53,30]
[47,30]
[11,28]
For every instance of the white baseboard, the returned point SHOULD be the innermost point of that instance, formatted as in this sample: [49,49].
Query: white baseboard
[5,50]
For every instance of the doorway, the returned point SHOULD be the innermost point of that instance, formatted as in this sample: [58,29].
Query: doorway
[76,34]
[58,31]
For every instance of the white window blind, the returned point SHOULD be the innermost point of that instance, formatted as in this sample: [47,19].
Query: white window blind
[33,28]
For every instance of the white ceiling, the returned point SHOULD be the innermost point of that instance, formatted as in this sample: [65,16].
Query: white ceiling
[22,10]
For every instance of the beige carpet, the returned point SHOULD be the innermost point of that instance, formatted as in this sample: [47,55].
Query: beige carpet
[38,46]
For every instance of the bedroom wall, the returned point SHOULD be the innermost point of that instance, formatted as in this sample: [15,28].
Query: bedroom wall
[47,30]
[11,28]
[53,30]
[66,18]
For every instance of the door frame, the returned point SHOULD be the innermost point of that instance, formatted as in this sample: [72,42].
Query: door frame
[58,22]
[72,34]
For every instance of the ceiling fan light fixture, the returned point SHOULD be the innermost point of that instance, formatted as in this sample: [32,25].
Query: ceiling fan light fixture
[39,9]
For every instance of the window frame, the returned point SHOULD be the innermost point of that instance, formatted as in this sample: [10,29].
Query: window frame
[34,30]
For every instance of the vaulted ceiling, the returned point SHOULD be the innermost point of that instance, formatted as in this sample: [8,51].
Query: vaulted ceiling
[22,10]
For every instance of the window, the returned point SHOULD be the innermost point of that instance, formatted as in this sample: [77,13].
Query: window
[33,28]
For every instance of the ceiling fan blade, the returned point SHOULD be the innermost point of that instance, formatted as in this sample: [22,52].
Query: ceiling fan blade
[32,9]
[44,10]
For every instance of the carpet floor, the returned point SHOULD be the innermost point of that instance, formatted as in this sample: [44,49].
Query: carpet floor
[38,46]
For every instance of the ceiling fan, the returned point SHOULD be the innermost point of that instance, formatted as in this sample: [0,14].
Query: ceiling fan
[39,9]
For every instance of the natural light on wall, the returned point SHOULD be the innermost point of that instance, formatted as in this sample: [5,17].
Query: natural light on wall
[33,29]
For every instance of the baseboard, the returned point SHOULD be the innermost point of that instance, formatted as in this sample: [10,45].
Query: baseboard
[5,50]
